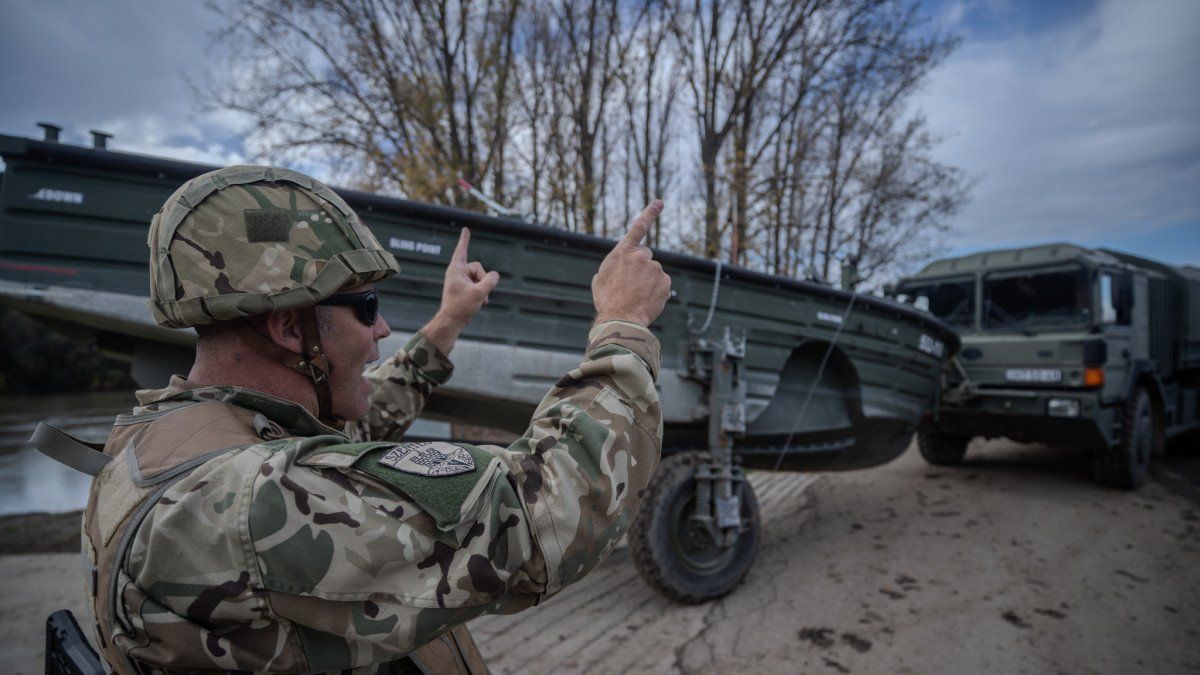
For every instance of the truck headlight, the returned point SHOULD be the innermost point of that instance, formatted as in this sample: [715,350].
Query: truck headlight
[1062,407]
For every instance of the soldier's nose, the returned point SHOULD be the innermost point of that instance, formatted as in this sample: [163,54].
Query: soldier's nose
[381,327]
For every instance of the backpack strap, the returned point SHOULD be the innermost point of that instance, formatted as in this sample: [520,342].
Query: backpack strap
[66,449]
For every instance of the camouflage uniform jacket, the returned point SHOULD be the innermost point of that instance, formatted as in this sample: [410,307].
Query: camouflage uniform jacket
[233,531]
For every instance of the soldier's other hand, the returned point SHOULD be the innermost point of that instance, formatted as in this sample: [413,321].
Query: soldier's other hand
[630,285]
[467,285]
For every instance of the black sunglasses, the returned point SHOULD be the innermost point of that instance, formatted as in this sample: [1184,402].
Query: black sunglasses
[365,304]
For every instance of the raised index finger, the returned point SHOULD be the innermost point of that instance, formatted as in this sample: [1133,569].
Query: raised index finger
[460,249]
[641,225]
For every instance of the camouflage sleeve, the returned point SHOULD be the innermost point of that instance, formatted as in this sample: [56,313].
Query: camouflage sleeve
[581,467]
[402,384]
[367,558]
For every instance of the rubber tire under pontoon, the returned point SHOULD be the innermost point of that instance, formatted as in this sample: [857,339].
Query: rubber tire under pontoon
[665,553]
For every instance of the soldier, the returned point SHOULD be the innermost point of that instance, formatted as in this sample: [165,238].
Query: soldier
[260,515]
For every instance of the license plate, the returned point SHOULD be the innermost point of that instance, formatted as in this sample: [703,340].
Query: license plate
[1033,375]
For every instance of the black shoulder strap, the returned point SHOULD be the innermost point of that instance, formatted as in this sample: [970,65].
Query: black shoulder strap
[66,449]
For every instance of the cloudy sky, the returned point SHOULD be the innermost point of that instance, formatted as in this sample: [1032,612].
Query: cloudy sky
[1079,119]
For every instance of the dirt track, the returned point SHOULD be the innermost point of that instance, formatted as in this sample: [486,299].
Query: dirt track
[1014,562]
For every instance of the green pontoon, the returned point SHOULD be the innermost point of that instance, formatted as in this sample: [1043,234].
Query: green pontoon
[758,371]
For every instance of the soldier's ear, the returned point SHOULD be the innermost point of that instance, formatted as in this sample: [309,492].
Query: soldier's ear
[283,328]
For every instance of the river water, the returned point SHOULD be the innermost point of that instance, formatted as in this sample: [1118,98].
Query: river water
[31,482]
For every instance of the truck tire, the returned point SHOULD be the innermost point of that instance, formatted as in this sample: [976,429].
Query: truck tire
[942,449]
[1124,465]
[678,558]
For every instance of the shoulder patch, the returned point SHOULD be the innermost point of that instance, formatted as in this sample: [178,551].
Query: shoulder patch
[428,459]
[449,498]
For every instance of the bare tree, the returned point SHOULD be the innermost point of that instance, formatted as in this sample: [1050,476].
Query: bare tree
[803,151]
[867,131]
[535,107]
[822,152]
[590,42]
[409,96]
[785,190]
[731,48]
[650,81]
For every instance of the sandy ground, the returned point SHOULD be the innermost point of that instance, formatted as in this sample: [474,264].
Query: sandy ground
[31,587]
[1013,563]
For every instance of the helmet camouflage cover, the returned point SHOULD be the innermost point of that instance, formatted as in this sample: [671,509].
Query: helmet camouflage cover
[248,240]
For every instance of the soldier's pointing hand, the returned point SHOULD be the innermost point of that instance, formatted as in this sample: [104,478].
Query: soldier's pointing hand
[630,284]
[467,284]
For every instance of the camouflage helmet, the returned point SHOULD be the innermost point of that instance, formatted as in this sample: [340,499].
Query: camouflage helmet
[248,240]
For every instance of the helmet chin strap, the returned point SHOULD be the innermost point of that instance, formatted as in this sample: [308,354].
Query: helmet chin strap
[316,365]
[311,362]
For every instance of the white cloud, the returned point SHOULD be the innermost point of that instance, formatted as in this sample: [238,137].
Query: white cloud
[119,66]
[1080,132]
[169,136]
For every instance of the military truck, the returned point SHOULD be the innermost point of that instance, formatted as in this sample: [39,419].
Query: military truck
[1068,346]
[757,370]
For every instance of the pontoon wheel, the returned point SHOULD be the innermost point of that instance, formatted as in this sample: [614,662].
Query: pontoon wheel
[677,555]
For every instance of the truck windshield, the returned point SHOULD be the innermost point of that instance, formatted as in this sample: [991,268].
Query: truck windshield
[1026,300]
[951,300]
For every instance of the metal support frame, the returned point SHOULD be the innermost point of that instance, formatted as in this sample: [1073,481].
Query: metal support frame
[961,393]
[717,361]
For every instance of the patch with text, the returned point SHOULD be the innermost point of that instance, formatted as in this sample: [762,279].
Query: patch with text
[429,459]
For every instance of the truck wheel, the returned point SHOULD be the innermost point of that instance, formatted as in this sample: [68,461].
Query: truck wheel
[1124,464]
[942,449]
[677,556]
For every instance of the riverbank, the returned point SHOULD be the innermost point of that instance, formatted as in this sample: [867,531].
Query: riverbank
[40,533]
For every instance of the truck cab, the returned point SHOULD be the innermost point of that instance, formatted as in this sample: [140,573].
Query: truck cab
[1067,346]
